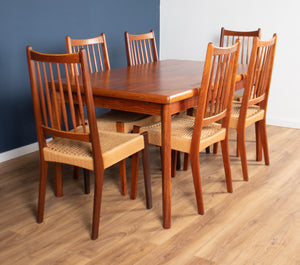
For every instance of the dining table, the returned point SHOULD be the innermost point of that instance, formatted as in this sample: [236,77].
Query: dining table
[159,88]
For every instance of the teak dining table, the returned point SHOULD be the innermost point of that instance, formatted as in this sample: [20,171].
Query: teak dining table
[160,88]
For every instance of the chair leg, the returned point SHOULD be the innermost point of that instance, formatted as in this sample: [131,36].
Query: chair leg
[173,163]
[134,175]
[197,182]
[264,140]
[146,167]
[241,146]
[258,141]
[207,150]
[161,157]
[178,162]
[58,180]
[122,164]
[226,162]
[86,174]
[97,202]
[237,147]
[75,172]
[186,162]
[42,190]
[216,148]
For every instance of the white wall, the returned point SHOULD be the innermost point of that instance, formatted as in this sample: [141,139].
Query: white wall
[187,26]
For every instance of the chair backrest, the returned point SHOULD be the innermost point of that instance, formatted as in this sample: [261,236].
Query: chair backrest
[217,89]
[55,92]
[96,49]
[229,37]
[140,48]
[259,74]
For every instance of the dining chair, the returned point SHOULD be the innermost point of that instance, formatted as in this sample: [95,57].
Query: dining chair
[113,120]
[227,38]
[253,106]
[141,48]
[191,134]
[76,140]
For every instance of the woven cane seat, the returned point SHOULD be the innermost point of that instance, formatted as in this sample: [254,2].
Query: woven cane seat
[182,127]
[254,113]
[108,121]
[114,146]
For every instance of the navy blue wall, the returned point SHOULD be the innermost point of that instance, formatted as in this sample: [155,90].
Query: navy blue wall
[44,25]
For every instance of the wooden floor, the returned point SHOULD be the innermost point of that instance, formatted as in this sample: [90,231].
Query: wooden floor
[259,223]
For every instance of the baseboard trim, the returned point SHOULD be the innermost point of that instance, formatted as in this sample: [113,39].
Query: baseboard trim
[281,123]
[24,150]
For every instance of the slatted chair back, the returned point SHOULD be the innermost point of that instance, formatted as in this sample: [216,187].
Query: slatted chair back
[96,49]
[259,75]
[217,88]
[56,95]
[229,37]
[141,49]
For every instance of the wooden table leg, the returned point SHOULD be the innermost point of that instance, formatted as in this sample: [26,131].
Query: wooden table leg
[166,164]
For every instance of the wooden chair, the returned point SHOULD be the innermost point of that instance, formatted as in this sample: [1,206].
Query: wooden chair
[76,140]
[118,121]
[141,48]
[191,134]
[229,37]
[253,106]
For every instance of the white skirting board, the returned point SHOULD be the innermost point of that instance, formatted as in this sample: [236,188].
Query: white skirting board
[19,152]
[24,150]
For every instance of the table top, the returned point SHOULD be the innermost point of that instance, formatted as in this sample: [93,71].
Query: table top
[160,82]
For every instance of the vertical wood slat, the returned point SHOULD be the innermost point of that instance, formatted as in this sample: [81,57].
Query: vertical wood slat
[48,96]
[75,49]
[138,52]
[100,57]
[142,51]
[55,100]
[262,68]
[80,103]
[242,49]
[257,75]
[146,52]
[150,51]
[43,105]
[210,84]
[135,53]
[265,69]
[88,57]
[259,72]
[94,58]
[63,103]
[215,102]
[70,99]
[219,85]
[248,51]
[224,89]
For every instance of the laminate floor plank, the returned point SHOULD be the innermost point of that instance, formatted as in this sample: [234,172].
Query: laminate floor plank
[259,223]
